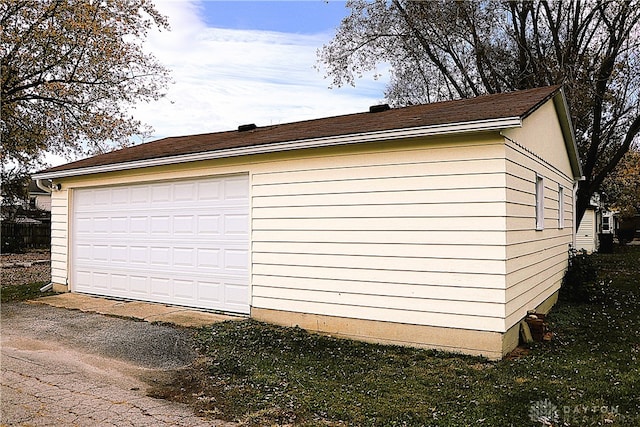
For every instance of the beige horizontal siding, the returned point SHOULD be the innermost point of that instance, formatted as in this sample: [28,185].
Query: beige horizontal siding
[387,302]
[530,266]
[382,224]
[529,244]
[537,293]
[382,237]
[453,154]
[384,249]
[372,197]
[425,210]
[433,237]
[515,293]
[59,236]
[366,185]
[420,210]
[58,257]
[404,165]
[59,265]
[536,260]
[411,317]
[481,280]
[404,290]
[382,263]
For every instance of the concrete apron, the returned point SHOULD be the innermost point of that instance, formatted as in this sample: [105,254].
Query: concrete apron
[146,311]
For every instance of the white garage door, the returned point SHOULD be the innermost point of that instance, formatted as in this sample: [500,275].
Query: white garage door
[182,242]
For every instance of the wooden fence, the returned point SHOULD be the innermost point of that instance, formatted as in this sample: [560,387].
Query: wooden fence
[16,236]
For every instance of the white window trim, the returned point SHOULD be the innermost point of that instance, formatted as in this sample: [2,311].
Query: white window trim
[539,202]
[560,207]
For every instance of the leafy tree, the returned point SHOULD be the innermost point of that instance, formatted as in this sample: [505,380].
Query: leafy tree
[70,71]
[456,49]
[621,189]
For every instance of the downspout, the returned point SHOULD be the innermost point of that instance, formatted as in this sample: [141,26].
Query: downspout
[46,189]
[43,187]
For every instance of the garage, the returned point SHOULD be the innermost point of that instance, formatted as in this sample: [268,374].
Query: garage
[179,242]
[419,226]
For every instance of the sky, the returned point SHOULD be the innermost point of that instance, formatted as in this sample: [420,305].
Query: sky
[241,62]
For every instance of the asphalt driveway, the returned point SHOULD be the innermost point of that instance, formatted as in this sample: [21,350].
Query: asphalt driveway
[66,367]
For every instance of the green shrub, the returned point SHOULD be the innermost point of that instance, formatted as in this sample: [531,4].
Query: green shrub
[625,235]
[580,283]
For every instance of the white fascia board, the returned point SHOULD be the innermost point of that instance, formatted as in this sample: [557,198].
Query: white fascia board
[359,138]
[560,102]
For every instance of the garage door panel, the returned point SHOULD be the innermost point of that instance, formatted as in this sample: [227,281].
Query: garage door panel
[100,280]
[82,279]
[184,224]
[236,260]
[119,225]
[179,243]
[160,287]
[236,189]
[185,192]
[209,224]
[100,253]
[211,292]
[234,294]
[83,252]
[184,290]
[161,224]
[139,225]
[120,282]
[209,258]
[120,196]
[236,225]
[211,190]
[119,254]
[138,285]
[100,225]
[184,257]
[161,193]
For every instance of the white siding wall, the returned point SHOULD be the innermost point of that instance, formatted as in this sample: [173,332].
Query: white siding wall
[586,235]
[413,236]
[43,202]
[59,233]
[536,259]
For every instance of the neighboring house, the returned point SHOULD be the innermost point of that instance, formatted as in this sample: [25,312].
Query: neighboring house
[610,222]
[595,221]
[31,206]
[590,226]
[39,199]
[435,225]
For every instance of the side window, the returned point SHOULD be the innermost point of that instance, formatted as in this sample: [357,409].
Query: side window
[560,207]
[539,202]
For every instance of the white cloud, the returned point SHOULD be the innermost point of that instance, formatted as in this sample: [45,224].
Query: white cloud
[224,78]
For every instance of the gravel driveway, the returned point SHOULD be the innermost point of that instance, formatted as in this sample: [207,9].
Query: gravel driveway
[64,367]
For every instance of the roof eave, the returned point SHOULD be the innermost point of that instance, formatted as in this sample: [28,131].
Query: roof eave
[560,102]
[359,138]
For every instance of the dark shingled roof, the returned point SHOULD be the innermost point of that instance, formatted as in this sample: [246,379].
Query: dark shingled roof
[497,106]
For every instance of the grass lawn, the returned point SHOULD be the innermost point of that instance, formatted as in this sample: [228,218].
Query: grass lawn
[22,292]
[587,375]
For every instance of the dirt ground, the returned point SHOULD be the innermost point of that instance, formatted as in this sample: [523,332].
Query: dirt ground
[19,269]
